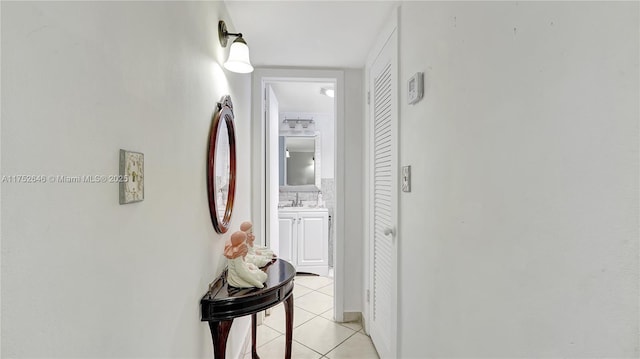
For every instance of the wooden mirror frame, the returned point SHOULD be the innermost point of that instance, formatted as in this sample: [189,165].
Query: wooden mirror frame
[224,113]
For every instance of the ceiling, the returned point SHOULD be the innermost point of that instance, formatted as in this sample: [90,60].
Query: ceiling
[302,97]
[336,34]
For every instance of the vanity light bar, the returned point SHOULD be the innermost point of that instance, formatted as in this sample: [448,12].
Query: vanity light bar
[293,122]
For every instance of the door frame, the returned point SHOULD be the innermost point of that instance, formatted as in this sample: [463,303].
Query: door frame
[391,28]
[260,172]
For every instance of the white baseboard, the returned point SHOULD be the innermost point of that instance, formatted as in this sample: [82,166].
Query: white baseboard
[364,325]
[352,316]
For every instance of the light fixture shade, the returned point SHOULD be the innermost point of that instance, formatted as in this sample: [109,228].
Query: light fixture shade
[327,92]
[288,155]
[238,60]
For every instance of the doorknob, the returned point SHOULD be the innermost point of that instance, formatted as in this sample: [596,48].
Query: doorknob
[389,231]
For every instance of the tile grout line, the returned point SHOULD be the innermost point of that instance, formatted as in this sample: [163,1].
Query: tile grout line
[342,342]
[313,350]
[302,295]
[314,314]
[314,317]
[269,341]
[355,332]
[333,321]
[308,320]
[322,356]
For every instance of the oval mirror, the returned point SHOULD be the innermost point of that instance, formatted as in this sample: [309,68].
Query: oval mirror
[221,166]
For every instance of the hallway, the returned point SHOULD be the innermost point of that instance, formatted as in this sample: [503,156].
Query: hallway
[516,227]
[315,334]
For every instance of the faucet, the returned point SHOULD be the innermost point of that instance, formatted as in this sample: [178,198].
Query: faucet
[296,202]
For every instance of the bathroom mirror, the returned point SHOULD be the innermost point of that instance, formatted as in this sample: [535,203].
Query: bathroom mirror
[299,163]
[221,166]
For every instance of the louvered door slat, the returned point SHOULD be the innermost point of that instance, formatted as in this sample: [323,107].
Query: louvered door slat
[382,198]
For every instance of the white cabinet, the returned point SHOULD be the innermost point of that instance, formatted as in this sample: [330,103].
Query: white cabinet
[313,241]
[288,225]
[304,239]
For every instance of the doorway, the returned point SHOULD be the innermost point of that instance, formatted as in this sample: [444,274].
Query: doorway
[301,153]
[297,199]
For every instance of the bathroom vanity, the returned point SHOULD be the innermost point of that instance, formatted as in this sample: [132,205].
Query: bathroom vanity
[304,238]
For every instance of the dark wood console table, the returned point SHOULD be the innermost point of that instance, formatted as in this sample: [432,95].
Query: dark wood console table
[222,303]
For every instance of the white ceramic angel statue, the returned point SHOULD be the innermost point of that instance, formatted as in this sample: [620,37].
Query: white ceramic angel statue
[242,274]
[257,260]
[259,256]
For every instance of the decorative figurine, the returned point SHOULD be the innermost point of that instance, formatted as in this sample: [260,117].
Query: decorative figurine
[258,260]
[242,274]
[247,227]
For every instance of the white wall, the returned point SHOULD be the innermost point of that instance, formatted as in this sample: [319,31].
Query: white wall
[83,276]
[520,235]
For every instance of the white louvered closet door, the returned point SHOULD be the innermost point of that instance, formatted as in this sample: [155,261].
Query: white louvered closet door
[383,155]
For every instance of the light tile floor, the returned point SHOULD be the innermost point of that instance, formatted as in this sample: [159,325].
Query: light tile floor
[315,334]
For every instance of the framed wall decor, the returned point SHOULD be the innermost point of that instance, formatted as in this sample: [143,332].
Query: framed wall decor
[221,166]
[132,173]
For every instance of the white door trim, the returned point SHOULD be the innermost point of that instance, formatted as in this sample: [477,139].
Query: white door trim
[258,176]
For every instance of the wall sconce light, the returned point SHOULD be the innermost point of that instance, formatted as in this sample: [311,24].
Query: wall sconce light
[288,155]
[238,60]
[327,92]
[292,123]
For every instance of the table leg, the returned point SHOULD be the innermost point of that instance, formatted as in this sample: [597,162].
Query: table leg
[254,335]
[288,307]
[219,335]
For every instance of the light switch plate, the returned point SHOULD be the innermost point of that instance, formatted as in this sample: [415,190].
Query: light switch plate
[406,179]
[415,88]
